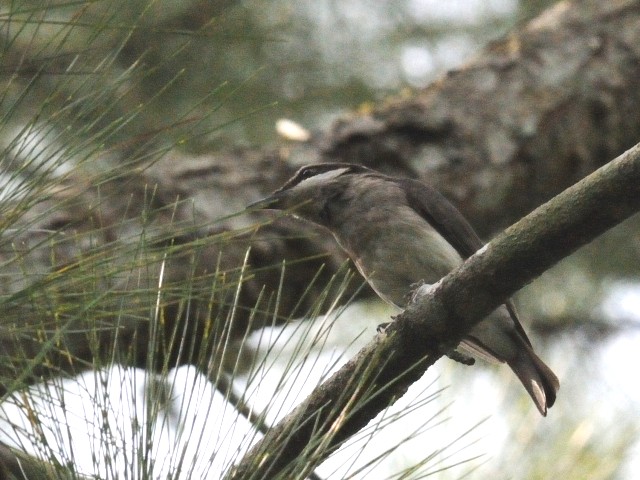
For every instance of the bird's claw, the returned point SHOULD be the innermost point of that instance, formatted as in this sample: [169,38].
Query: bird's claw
[460,357]
[382,327]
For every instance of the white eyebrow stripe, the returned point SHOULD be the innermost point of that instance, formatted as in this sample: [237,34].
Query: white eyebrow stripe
[322,177]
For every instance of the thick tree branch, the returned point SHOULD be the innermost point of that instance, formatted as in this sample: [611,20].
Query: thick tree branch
[438,320]
[529,115]
[17,465]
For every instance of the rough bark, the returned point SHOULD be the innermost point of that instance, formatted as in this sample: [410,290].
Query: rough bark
[528,116]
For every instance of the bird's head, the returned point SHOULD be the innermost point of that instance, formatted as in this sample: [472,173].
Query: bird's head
[311,192]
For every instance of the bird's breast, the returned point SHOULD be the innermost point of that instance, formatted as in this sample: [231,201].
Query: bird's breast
[397,250]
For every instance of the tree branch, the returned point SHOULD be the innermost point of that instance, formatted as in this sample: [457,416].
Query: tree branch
[439,319]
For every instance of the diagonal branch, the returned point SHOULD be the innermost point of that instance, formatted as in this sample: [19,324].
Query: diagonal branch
[439,319]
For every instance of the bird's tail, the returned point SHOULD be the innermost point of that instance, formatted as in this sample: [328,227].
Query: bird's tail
[538,379]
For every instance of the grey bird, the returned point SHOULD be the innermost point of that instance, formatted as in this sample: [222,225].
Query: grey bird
[398,232]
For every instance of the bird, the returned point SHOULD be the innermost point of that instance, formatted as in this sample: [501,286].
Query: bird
[399,232]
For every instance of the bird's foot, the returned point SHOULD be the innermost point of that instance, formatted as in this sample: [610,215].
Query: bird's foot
[382,327]
[418,290]
[460,357]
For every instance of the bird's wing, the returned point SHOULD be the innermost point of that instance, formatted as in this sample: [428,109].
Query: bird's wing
[451,224]
[442,215]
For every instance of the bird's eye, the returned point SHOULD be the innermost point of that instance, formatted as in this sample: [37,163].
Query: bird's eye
[306,174]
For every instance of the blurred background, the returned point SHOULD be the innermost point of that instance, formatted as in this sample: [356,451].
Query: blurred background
[98,85]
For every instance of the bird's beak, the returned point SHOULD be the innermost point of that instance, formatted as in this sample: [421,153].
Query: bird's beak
[270,202]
